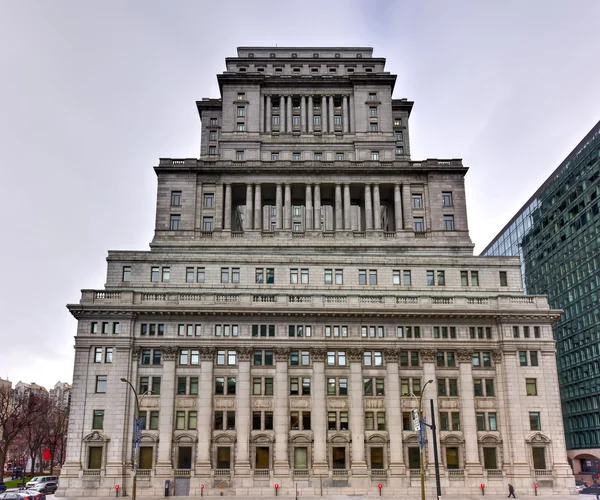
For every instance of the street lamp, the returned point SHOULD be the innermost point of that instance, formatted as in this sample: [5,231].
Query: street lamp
[136,437]
[422,440]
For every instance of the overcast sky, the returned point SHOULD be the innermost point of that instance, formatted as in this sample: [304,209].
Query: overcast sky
[94,92]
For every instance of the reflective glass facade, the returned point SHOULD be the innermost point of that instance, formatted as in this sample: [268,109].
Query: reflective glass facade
[557,236]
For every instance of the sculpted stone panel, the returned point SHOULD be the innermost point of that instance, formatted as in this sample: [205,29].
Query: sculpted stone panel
[374,404]
[282,354]
[391,355]
[337,404]
[207,353]
[497,356]
[299,403]
[225,403]
[262,403]
[318,354]
[464,356]
[244,354]
[355,355]
[428,355]
[169,353]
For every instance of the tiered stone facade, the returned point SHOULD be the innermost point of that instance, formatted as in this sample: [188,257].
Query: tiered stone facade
[307,285]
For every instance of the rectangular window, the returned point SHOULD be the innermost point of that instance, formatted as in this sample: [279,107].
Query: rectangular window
[108,355]
[531,386]
[374,155]
[241,127]
[105,326]
[153,420]
[296,157]
[207,224]
[224,275]
[126,276]
[212,135]
[101,383]
[417,201]
[480,418]
[418,224]
[98,420]
[94,327]
[235,275]
[241,111]
[372,127]
[448,222]
[175,198]
[175,222]
[155,385]
[534,421]
[209,200]
[516,332]
[503,278]
[98,355]
[447,199]
[522,358]
[274,156]
[373,111]
[180,420]
[489,387]
[239,156]
[492,422]
[533,358]
[474,278]
[166,274]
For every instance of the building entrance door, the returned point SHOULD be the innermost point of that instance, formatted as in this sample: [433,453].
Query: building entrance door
[339,457]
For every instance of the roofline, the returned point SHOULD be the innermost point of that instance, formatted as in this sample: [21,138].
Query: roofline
[551,177]
[301,47]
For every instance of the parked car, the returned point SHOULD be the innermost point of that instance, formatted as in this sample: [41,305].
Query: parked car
[48,487]
[41,479]
[34,494]
[591,489]
[2,487]
[19,495]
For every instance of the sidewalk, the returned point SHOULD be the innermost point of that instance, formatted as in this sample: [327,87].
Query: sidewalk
[359,497]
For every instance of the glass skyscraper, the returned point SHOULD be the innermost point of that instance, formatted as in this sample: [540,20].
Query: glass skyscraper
[557,236]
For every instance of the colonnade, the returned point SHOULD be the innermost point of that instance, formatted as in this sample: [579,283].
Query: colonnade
[310,106]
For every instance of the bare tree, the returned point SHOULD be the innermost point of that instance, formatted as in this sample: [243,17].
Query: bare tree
[35,433]
[18,410]
[57,423]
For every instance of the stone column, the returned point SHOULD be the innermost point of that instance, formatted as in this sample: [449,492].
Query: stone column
[345,114]
[249,212]
[397,208]
[205,412]
[324,113]
[319,413]
[351,124]
[278,207]
[310,114]
[406,210]
[288,115]
[430,392]
[309,210]
[338,208]
[281,415]
[261,124]
[368,208]
[317,211]
[303,114]
[269,114]
[130,404]
[467,409]
[347,210]
[219,207]
[257,207]
[287,210]
[164,465]
[376,208]
[357,413]
[331,120]
[242,415]
[281,114]
[227,212]
[502,413]
[393,412]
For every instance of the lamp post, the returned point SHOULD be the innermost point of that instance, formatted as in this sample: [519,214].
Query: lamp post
[422,441]
[136,438]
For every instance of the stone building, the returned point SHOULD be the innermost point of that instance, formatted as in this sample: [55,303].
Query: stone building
[308,285]
[61,393]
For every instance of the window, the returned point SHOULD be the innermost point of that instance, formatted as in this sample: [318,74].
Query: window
[153,420]
[474,278]
[535,423]
[397,122]
[296,157]
[480,332]
[241,127]
[175,222]
[418,225]
[241,111]
[227,358]
[533,358]
[370,274]
[224,275]
[372,331]
[444,332]
[239,156]
[299,330]
[399,150]
[374,421]
[409,358]
[516,332]
[450,421]
[94,327]
[241,96]
[337,420]
[408,331]
[274,156]
[531,386]
[213,121]
[98,419]
[207,224]
[417,201]
[339,156]
[374,386]
[374,155]
[224,420]
[299,274]
[372,96]
[101,383]
[155,274]
[336,358]
[503,278]
[317,123]
[372,127]
[410,386]
[373,358]
[526,332]
[447,199]
[155,385]
[299,358]
[399,136]
[225,386]
[152,329]
[433,275]
[263,330]
[212,150]
[98,355]
[448,222]
[189,357]
[105,326]
[212,135]
[400,277]
[334,276]
[447,387]
[299,386]
[337,386]
[209,200]
[108,355]
[126,276]
[373,111]
[166,274]
[536,332]
[336,331]
[175,198]
[522,358]
[445,359]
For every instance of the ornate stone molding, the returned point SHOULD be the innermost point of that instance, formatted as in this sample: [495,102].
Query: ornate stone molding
[169,353]
[135,352]
[464,356]
[497,355]
[391,355]
[355,355]
[428,355]
[207,353]
[318,354]
[282,354]
[244,354]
